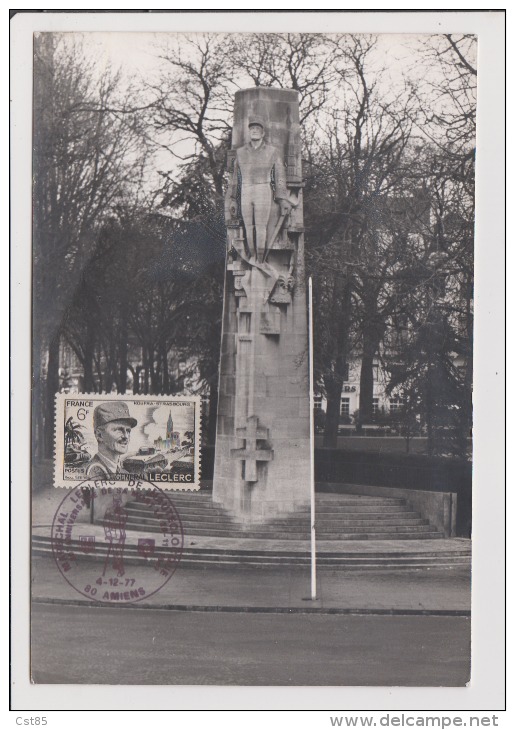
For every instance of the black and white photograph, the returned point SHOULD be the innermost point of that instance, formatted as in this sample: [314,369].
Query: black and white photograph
[253,368]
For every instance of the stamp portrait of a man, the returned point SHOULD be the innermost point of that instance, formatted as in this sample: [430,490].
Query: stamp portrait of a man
[257,167]
[112,424]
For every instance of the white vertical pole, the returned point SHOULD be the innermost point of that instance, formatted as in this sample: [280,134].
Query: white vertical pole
[312,443]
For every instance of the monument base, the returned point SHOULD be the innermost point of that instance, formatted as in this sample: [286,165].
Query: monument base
[280,489]
[249,511]
[263,513]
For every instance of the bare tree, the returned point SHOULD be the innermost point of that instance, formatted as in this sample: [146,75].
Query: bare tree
[361,165]
[88,155]
[190,104]
[300,61]
[192,97]
[447,98]
[443,312]
[435,297]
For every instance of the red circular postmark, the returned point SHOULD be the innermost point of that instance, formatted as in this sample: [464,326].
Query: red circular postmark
[128,552]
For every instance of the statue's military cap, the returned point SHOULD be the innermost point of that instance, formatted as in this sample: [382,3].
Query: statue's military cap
[256,120]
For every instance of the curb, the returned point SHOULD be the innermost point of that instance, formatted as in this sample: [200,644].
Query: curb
[259,609]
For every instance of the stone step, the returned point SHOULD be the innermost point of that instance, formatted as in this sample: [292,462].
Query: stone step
[331,534]
[187,498]
[360,506]
[326,521]
[325,560]
[321,518]
[464,551]
[183,513]
[335,499]
[338,517]
[206,565]
[359,517]
[349,533]
[331,525]
[276,528]
[203,505]
[262,565]
[250,559]
[321,510]
[199,514]
[202,564]
[350,509]
[184,497]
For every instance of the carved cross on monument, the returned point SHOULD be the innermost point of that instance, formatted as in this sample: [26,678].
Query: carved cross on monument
[252,452]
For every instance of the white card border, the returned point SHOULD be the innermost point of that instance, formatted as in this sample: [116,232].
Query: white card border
[486,690]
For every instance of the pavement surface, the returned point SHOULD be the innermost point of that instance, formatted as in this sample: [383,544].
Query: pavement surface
[425,590]
[350,547]
[255,626]
[76,644]
[440,591]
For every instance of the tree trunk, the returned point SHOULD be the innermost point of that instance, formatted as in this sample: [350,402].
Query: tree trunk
[100,385]
[112,366]
[154,377]
[334,381]
[89,354]
[465,411]
[146,366]
[366,380]
[373,329]
[430,412]
[122,349]
[165,379]
[333,387]
[52,387]
[135,385]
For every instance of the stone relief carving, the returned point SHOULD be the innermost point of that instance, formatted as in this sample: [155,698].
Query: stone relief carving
[258,182]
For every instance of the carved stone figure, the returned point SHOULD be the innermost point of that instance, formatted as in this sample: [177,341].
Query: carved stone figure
[260,174]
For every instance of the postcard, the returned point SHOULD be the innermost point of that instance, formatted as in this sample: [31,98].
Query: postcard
[252,346]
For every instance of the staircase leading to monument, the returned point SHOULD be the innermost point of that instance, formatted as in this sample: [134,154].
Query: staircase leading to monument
[353,533]
[338,517]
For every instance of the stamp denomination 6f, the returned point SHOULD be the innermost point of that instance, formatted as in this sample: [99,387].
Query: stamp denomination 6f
[121,438]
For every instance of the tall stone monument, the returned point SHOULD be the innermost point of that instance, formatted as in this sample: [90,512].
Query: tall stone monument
[262,443]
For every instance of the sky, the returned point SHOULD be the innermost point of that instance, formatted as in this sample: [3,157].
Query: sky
[136,52]
[136,55]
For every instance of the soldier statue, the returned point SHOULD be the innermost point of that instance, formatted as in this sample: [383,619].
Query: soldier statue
[261,173]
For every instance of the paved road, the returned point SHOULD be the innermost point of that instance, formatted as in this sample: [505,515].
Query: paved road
[77,644]
[435,589]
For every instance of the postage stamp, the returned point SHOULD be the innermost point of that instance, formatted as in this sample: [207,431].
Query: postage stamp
[112,560]
[120,438]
